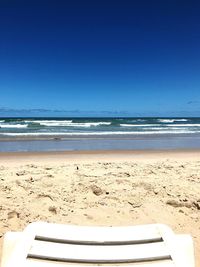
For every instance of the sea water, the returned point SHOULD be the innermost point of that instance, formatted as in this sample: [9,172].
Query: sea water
[50,134]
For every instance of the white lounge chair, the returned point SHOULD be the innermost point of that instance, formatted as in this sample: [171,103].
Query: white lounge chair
[47,245]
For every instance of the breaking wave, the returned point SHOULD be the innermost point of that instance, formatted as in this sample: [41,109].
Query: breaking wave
[13,125]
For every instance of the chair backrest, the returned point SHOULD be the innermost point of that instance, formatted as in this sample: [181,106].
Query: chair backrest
[44,244]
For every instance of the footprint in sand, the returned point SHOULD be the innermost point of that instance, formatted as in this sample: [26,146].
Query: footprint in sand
[96,190]
[13,214]
[52,209]
[13,219]
[21,173]
[45,196]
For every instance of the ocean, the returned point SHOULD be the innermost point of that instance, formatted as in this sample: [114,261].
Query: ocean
[56,134]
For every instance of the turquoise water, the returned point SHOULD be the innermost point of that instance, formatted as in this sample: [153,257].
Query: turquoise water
[57,134]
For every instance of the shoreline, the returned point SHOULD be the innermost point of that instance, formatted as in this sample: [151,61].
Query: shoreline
[103,152]
[99,155]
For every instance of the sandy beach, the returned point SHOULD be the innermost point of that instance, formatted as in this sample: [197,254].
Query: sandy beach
[102,188]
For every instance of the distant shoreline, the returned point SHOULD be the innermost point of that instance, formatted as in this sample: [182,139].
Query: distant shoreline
[99,155]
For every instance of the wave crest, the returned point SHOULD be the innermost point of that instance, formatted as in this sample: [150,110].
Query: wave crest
[171,120]
[13,125]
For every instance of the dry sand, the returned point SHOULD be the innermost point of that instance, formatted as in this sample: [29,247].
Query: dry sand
[102,188]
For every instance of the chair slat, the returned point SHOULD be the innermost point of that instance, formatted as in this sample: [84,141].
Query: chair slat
[98,254]
[100,243]
[99,234]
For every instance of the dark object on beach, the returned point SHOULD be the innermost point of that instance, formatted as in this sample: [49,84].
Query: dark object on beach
[20,173]
[96,190]
[57,138]
[197,204]
[53,209]
[135,205]
[77,168]
[13,214]
[178,204]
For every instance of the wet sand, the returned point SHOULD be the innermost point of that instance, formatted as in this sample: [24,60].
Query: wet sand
[102,188]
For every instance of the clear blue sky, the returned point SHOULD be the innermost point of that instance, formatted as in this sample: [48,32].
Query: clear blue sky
[119,57]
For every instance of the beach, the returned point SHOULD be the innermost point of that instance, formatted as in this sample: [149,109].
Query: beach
[102,188]
[100,114]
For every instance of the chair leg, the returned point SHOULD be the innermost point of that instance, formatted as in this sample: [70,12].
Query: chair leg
[184,251]
[9,241]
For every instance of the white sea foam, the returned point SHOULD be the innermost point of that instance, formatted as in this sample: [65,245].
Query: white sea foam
[68,123]
[74,124]
[44,121]
[184,125]
[54,124]
[168,125]
[13,125]
[138,125]
[50,122]
[171,120]
[99,133]
[164,128]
